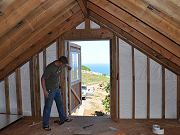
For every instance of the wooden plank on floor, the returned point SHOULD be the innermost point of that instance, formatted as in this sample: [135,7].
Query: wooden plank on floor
[7,95]
[6,120]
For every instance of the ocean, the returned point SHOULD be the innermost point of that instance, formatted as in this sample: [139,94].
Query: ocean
[100,68]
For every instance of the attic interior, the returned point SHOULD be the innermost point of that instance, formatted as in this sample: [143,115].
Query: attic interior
[144,53]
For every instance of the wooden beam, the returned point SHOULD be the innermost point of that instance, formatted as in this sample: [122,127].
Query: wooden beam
[37,35]
[31,74]
[44,59]
[18,91]
[169,8]
[6,82]
[139,26]
[135,38]
[114,71]
[145,13]
[88,34]
[65,25]
[35,23]
[83,6]
[18,15]
[61,49]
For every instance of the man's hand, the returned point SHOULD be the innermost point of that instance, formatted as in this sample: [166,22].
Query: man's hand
[46,94]
[68,66]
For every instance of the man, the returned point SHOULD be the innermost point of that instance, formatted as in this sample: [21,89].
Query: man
[51,88]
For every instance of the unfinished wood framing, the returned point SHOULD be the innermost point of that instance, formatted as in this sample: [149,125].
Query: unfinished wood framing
[136,24]
[61,48]
[39,34]
[27,27]
[42,43]
[140,42]
[88,34]
[147,13]
[83,5]
[35,87]
[114,79]
[18,91]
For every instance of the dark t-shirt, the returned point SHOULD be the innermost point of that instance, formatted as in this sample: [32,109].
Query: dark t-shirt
[51,76]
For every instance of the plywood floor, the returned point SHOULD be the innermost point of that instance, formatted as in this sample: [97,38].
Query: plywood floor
[99,126]
[6,120]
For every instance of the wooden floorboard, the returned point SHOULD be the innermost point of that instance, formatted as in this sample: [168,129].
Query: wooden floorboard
[6,120]
[94,125]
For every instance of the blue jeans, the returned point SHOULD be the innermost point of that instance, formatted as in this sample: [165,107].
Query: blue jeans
[53,95]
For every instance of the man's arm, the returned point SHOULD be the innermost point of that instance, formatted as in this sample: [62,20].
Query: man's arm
[43,83]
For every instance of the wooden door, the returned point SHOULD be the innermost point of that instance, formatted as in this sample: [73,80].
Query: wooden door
[74,88]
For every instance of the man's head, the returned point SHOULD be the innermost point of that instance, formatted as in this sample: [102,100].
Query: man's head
[63,60]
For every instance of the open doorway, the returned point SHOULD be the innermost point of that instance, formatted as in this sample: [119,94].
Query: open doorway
[95,78]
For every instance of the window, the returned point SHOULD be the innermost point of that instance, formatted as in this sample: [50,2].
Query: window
[75,71]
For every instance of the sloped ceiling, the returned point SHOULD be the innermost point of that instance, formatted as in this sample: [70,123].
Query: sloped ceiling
[27,26]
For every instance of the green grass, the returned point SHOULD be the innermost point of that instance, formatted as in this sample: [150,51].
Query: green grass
[88,78]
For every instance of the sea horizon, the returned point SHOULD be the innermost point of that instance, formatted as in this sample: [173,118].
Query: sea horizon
[99,68]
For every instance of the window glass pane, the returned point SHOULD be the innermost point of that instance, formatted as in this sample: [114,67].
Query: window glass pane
[75,72]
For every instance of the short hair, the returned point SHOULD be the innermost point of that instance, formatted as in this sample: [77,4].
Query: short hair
[63,59]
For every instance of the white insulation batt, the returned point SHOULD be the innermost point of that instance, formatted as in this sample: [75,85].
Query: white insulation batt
[2,98]
[171,95]
[12,94]
[25,87]
[155,90]
[140,68]
[125,72]
[140,84]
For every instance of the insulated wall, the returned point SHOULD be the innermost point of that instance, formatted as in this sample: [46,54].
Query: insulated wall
[2,98]
[12,94]
[25,88]
[146,90]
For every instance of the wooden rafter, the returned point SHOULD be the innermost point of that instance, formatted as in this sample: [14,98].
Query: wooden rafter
[138,25]
[33,24]
[159,54]
[39,45]
[17,15]
[147,13]
[83,6]
[22,46]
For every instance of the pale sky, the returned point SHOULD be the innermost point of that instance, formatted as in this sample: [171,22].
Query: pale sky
[94,52]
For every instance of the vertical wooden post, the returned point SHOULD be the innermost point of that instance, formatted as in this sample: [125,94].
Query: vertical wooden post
[133,84]
[18,91]
[44,59]
[6,81]
[87,23]
[163,92]
[61,48]
[32,86]
[114,89]
[35,87]
[148,88]
[118,78]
